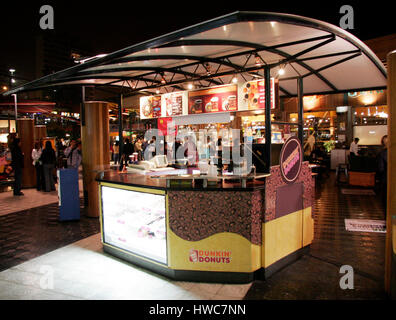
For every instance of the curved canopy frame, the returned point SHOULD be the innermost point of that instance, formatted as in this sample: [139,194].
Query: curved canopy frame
[329,59]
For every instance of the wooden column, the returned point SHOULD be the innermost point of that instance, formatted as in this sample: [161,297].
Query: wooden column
[390,248]
[26,134]
[95,150]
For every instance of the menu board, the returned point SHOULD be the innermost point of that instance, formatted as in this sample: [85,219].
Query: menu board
[252,95]
[219,99]
[150,107]
[135,221]
[173,104]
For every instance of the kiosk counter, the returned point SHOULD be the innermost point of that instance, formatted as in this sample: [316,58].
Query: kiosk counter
[223,232]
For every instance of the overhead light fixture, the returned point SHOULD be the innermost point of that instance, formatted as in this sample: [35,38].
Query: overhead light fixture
[157,91]
[190,86]
[208,68]
[281,70]
[257,60]
[234,79]
[163,81]
[12,70]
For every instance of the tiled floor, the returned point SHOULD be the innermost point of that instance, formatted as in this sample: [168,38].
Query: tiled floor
[30,233]
[31,199]
[54,265]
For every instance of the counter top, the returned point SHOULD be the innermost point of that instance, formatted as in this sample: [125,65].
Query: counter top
[147,181]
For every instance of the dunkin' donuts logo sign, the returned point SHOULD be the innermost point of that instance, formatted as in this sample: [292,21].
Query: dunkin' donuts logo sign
[210,256]
[291,159]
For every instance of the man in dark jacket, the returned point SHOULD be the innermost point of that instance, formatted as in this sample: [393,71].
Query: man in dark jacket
[17,164]
[127,150]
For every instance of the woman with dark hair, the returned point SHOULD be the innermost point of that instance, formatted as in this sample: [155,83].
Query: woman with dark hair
[17,164]
[48,158]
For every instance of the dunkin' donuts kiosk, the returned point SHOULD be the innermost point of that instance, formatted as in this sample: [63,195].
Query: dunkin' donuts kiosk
[229,231]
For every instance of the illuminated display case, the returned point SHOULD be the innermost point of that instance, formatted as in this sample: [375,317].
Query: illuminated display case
[135,221]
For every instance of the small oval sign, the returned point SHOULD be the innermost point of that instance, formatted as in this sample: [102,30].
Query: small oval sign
[291,157]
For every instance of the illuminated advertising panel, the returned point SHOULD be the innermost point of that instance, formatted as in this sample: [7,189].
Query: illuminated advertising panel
[217,99]
[252,95]
[150,107]
[135,221]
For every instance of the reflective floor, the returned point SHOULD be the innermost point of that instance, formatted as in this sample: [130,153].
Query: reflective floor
[317,274]
[42,258]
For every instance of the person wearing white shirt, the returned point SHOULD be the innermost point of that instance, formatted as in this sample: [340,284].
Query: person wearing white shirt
[310,143]
[353,149]
[36,154]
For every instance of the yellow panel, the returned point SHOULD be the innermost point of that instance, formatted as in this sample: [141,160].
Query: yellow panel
[228,252]
[281,237]
[308,226]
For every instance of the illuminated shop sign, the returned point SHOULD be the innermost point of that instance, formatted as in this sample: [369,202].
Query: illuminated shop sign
[291,159]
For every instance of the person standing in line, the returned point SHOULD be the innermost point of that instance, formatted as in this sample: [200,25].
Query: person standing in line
[73,155]
[17,164]
[48,158]
[36,154]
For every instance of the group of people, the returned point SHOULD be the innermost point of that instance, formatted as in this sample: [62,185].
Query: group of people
[145,148]
[44,159]
[45,162]
[128,149]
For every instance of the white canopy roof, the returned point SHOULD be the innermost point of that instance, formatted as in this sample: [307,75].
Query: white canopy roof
[241,44]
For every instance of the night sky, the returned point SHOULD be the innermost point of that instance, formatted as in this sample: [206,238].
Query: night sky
[106,26]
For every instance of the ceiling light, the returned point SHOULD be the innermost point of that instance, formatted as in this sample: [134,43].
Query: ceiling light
[190,86]
[234,79]
[281,71]
[257,60]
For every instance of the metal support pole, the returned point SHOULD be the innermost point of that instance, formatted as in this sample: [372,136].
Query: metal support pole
[268,133]
[120,130]
[16,111]
[82,117]
[82,109]
[300,106]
